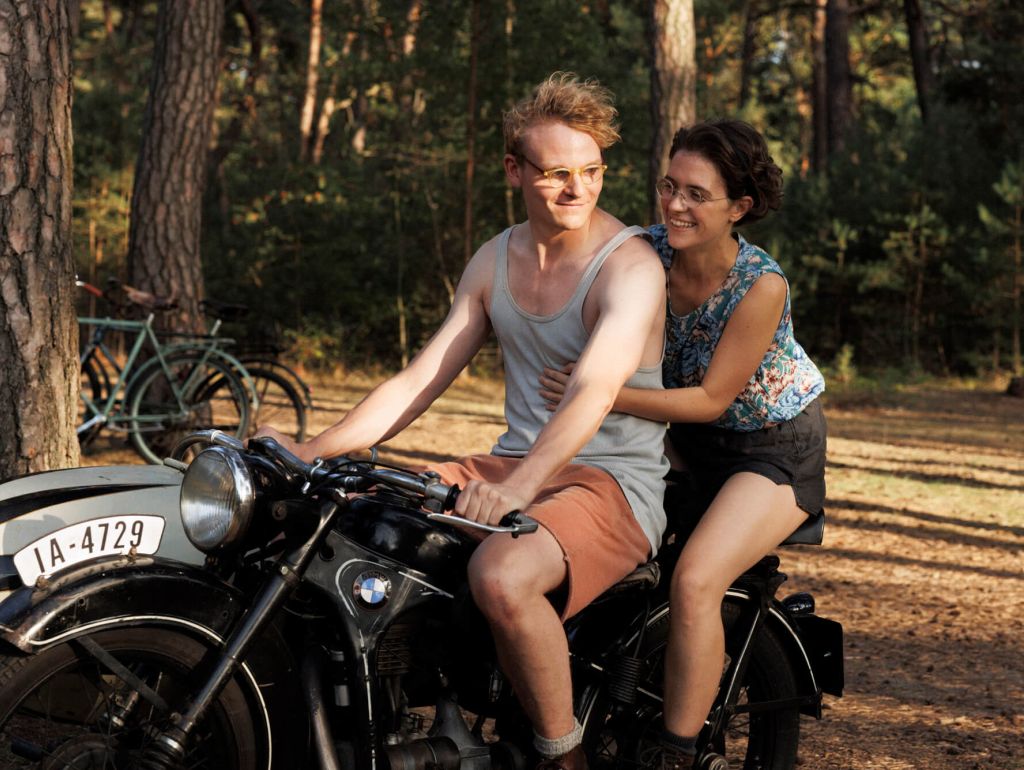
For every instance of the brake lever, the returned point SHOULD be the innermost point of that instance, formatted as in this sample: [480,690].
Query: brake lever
[514,523]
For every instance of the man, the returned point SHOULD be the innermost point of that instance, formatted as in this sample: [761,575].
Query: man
[571,283]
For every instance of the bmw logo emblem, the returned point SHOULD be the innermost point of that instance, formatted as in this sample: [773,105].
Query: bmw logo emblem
[371,589]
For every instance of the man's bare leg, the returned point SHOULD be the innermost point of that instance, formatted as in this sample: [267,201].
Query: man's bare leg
[509,579]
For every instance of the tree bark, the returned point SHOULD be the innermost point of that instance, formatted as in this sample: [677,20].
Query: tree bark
[673,82]
[39,378]
[312,76]
[917,33]
[1018,282]
[166,209]
[838,73]
[751,17]
[819,89]
[474,51]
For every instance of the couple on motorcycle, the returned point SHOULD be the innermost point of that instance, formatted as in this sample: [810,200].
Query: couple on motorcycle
[577,303]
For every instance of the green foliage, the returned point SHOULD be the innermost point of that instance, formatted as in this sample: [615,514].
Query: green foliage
[899,250]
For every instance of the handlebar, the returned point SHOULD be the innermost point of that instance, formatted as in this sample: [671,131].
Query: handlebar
[356,477]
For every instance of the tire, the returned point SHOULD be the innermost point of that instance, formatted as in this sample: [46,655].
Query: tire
[93,385]
[280,404]
[62,708]
[213,396]
[617,736]
[298,384]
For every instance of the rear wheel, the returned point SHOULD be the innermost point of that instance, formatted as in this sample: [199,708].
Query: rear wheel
[191,394]
[280,405]
[94,386]
[621,736]
[65,708]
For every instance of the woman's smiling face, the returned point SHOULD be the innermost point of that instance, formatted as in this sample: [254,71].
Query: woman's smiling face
[697,227]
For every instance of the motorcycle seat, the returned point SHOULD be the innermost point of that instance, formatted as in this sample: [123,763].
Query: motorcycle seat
[645,577]
[811,532]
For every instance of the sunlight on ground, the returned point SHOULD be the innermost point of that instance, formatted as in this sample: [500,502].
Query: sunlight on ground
[923,564]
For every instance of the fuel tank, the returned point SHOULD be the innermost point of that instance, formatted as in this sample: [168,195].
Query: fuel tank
[392,529]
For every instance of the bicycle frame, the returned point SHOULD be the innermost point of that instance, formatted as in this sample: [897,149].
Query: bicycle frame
[107,413]
[215,345]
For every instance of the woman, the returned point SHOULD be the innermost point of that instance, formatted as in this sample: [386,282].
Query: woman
[740,394]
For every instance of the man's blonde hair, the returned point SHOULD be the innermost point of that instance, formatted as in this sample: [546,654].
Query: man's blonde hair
[584,105]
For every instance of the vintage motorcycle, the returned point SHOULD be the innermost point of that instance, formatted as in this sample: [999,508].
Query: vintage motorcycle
[331,625]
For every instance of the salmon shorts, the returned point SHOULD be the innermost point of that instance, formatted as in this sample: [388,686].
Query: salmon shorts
[585,511]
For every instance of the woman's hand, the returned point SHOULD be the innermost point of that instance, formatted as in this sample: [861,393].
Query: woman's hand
[553,383]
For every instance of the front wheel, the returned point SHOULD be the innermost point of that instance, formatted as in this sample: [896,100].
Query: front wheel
[621,736]
[88,706]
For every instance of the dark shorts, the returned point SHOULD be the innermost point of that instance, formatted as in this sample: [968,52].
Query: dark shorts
[791,453]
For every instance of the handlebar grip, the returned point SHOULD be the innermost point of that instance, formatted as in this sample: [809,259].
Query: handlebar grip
[452,498]
[271,447]
[523,524]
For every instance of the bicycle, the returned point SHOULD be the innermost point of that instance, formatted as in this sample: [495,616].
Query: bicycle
[284,398]
[277,394]
[165,397]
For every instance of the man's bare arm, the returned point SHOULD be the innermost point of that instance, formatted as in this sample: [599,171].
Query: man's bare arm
[631,303]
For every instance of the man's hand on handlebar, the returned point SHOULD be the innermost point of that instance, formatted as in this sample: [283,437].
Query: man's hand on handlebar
[299,450]
[487,503]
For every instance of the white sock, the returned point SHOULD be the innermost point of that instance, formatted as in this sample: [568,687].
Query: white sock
[549,748]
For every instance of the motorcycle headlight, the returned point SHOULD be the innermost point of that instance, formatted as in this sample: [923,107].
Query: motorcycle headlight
[217,497]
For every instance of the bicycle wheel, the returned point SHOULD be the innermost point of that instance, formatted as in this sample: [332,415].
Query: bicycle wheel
[92,386]
[291,376]
[65,708]
[190,394]
[280,405]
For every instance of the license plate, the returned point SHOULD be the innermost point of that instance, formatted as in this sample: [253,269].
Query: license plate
[108,536]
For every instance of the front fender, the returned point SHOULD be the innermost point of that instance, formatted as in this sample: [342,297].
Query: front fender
[159,592]
[148,590]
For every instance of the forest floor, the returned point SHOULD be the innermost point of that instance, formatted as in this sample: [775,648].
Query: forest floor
[923,564]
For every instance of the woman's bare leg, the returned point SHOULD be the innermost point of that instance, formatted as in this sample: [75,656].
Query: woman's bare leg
[748,518]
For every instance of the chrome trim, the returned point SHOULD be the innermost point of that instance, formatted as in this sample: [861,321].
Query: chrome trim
[244,491]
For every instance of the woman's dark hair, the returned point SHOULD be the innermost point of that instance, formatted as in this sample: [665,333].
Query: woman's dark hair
[741,156]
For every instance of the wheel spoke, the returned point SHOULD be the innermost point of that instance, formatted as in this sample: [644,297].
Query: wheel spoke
[118,669]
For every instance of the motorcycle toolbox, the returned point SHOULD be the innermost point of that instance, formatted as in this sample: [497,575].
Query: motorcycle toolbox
[39,507]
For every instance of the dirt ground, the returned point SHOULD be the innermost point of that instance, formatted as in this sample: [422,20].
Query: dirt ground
[923,564]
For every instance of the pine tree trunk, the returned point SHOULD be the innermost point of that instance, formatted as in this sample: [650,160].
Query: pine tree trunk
[919,55]
[474,52]
[166,210]
[819,89]
[312,76]
[673,82]
[1018,281]
[751,16]
[838,73]
[39,378]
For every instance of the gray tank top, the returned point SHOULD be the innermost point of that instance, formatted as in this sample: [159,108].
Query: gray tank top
[629,448]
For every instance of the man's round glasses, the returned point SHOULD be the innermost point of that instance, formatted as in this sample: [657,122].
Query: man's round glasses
[560,177]
[691,196]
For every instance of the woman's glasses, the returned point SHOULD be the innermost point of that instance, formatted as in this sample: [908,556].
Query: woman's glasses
[691,196]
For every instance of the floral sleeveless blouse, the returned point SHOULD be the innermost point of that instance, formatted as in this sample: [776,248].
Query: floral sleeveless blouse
[785,382]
